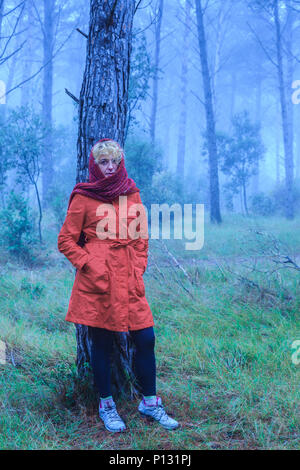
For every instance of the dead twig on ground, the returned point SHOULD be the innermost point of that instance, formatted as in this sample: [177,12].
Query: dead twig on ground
[156,266]
[177,264]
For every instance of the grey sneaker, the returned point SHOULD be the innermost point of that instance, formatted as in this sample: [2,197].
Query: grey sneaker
[109,415]
[157,412]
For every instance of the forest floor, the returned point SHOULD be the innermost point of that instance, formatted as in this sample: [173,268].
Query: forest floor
[226,318]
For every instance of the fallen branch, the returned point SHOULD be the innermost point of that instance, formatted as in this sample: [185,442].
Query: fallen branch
[261,290]
[177,264]
[287,260]
[153,259]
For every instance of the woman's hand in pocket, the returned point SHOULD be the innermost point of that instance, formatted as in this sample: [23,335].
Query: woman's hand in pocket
[85,268]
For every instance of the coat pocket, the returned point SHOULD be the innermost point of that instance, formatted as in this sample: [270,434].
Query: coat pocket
[94,277]
[139,282]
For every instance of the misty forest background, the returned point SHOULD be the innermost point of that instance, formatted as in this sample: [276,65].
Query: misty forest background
[208,111]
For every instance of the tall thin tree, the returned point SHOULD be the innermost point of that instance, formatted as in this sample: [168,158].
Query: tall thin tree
[288,39]
[3,86]
[183,93]
[156,63]
[215,214]
[1,15]
[48,42]
[283,49]
[287,142]
[27,89]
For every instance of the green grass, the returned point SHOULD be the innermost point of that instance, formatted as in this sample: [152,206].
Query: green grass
[235,235]
[223,351]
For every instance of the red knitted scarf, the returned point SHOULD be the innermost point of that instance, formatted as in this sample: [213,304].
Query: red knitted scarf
[105,188]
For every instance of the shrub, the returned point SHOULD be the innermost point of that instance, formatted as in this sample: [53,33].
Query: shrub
[18,226]
[261,204]
[279,197]
[59,198]
[166,188]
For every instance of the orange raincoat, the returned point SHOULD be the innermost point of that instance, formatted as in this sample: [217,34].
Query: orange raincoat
[108,291]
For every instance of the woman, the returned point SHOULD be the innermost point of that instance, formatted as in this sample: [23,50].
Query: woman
[108,293]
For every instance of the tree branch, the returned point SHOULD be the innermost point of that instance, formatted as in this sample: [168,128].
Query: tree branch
[10,11]
[81,32]
[14,29]
[41,68]
[13,53]
[262,46]
[72,96]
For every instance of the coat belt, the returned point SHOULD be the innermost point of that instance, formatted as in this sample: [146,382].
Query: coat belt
[115,243]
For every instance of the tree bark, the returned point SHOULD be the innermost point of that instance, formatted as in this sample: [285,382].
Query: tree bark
[215,214]
[102,114]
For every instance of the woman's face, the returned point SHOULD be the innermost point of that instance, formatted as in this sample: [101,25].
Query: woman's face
[108,164]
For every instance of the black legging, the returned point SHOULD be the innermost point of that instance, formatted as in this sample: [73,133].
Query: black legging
[145,366]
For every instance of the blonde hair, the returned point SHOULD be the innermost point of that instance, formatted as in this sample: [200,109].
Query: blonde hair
[108,147]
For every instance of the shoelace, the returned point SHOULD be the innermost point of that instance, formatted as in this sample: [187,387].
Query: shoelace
[112,413]
[159,412]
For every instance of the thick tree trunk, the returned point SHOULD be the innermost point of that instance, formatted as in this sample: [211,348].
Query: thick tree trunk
[155,79]
[48,41]
[287,142]
[183,92]
[102,113]
[215,214]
